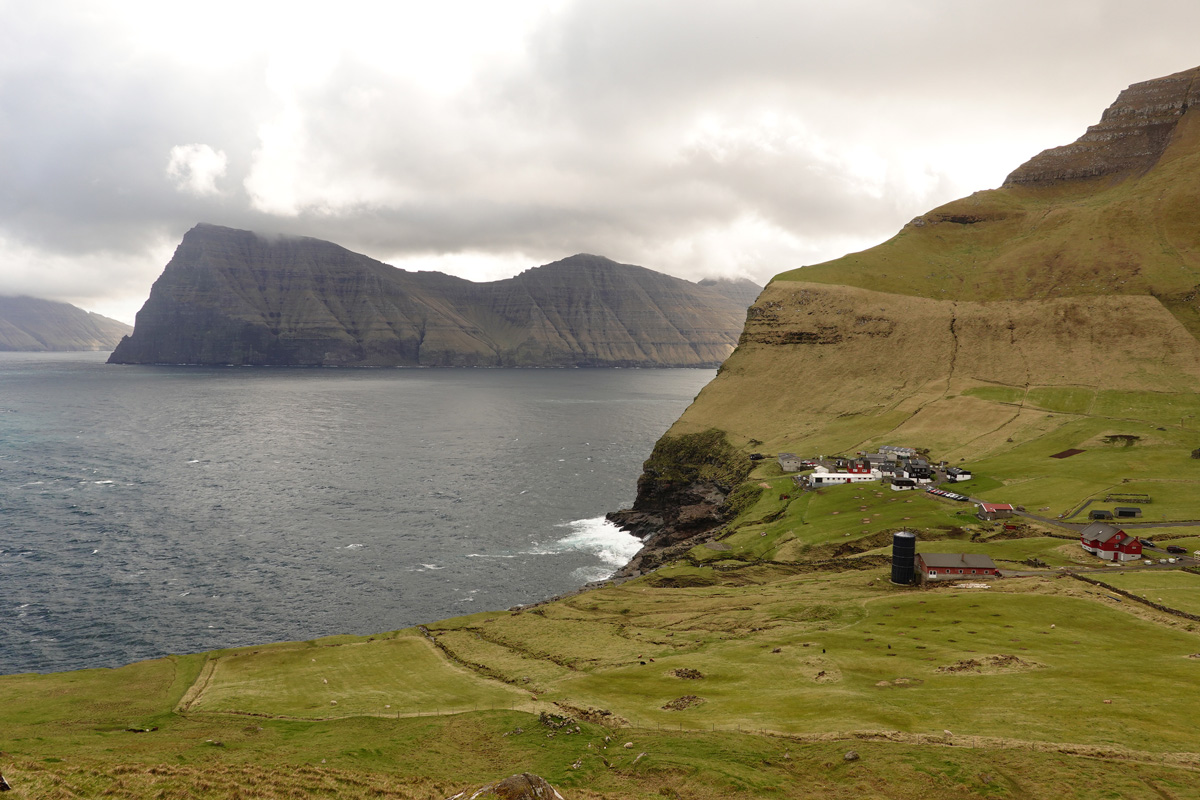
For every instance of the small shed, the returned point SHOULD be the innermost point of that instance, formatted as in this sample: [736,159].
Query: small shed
[992,511]
[955,566]
[1127,512]
[1100,513]
[958,474]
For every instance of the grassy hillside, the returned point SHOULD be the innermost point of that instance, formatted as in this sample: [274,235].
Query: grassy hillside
[1134,236]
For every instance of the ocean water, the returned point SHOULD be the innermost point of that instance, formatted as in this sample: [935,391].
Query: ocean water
[154,510]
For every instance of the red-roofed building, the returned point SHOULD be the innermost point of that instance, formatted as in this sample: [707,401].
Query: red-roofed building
[1110,542]
[954,566]
[990,511]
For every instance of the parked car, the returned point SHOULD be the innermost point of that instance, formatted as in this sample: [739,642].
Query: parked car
[1174,548]
[1148,543]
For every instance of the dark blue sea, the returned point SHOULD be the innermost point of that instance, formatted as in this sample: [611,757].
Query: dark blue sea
[154,510]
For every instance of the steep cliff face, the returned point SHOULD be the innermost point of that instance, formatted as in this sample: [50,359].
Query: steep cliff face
[1077,281]
[233,297]
[30,324]
[1131,137]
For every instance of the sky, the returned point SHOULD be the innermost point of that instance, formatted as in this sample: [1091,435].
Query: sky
[702,138]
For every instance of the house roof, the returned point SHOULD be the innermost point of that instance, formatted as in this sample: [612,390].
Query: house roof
[996,506]
[957,560]
[1100,532]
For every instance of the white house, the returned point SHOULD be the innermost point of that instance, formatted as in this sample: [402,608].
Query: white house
[855,472]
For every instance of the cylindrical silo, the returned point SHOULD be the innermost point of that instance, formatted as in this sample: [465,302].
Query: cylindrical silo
[904,556]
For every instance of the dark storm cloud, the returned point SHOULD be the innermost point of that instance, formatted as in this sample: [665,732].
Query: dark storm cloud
[642,130]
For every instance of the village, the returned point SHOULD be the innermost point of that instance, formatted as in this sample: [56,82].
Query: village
[906,468]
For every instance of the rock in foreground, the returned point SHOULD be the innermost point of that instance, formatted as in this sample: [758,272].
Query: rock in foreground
[517,787]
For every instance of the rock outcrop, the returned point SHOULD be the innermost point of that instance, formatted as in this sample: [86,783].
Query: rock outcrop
[517,787]
[34,325]
[234,297]
[684,492]
[1130,138]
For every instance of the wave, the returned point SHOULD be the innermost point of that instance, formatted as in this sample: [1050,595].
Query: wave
[598,537]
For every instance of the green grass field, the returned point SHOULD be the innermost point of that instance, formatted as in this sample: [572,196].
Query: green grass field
[1179,590]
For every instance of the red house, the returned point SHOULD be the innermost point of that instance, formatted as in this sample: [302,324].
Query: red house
[1110,542]
[955,566]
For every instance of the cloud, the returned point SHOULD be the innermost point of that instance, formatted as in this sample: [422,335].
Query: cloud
[195,168]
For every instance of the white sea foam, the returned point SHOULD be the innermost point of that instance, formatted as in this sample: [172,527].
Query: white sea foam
[599,537]
[354,547]
[589,574]
[489,555]
[432,566]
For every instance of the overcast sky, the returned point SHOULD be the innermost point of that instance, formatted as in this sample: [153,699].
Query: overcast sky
[697,137]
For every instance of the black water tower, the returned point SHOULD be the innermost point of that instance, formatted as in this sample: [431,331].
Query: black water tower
[904,557]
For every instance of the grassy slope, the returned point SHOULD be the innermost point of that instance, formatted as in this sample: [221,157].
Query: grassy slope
[818,656]
[1083,238]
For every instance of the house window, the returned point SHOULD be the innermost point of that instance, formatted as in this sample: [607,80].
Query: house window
[933,573]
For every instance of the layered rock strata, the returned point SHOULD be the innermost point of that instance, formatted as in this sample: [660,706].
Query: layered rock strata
[1131,137]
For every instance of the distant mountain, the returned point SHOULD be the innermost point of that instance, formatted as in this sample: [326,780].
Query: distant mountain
[30,324]
[235,297]
[742,291]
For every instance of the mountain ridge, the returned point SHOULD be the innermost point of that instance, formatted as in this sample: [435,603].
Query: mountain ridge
[235,297]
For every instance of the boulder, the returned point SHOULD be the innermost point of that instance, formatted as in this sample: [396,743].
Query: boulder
[516,787]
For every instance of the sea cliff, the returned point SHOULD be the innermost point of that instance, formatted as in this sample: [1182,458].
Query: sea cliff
[235,297]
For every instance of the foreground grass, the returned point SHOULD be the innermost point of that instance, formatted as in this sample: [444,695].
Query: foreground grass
[661,764]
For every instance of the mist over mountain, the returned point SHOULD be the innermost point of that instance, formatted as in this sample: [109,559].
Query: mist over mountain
[235,297]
